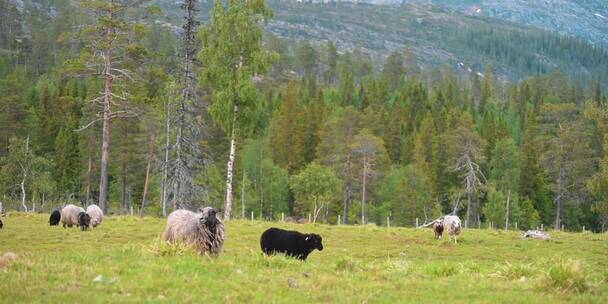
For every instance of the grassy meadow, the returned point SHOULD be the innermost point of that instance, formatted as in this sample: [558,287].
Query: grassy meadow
[123,261]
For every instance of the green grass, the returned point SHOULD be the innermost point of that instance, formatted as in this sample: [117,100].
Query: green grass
[123,261]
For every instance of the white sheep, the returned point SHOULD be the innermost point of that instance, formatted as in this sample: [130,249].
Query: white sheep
[69,215]
[96,215]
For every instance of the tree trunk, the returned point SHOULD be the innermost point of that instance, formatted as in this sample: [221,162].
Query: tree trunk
[507,215]
[105,141]
[123,188]
[345,211]
[88,195]
[363,191]
[148,167]
[24,171]
[469,203]
[166,163]
[23,191]
[230,166]
[243,196]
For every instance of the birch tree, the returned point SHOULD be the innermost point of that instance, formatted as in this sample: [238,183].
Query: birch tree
[233,55]
[314,188]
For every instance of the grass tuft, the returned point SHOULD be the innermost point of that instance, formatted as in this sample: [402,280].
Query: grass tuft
[568,276]
[443,269]
[515,271]
[159,247]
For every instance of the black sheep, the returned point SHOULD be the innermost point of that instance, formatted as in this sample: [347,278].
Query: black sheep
[438,227]
[291,243]
[1,225]
[55,218]
[84,220]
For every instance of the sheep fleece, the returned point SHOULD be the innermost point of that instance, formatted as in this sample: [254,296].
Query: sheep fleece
[96,215]
[69,215]
[185,226]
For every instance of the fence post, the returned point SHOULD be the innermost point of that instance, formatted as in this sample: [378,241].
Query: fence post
[388,222]
[282,217]
[583,228]
[131,210]
[252,215]
[339,219]
[562,227]
[516,226]
[416,222]
[542,227]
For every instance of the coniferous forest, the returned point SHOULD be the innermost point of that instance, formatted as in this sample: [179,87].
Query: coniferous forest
[101,104]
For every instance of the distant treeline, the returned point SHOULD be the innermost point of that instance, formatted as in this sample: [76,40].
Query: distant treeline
[328,136]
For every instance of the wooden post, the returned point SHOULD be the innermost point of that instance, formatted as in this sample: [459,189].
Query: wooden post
[562,227]
[416,222]
[515,225]
[583,228]
[339,219]
[131,210]
[252,215]
[282,217]
[309,218]
[388,222]
[478,224]
[542,227]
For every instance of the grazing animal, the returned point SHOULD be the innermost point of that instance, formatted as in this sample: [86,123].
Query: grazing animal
[438,228]
[84,220]
[291,243]
[96,215]
[1,224]
[203,230]
[69,215]
[453,225]
[55,218]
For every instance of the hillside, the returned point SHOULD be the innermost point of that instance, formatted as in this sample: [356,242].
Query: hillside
[120,261]
[437,35]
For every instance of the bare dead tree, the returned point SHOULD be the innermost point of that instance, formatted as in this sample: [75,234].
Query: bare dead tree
[187,151]
[473,180]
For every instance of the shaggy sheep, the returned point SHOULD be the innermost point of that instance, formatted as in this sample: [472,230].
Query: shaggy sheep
[291,243]
[55,218]
[438,228]
[69,215]
[453,225]
[84,220]
[96,215]
[203,230]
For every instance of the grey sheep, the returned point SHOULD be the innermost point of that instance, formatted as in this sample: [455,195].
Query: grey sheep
[203,230]
[69,215]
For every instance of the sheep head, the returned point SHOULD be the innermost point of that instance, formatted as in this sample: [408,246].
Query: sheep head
[315,241]
[208,218]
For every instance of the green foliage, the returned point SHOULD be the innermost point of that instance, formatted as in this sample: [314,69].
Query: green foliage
[314,188]
[495,209]
[232,58]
